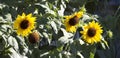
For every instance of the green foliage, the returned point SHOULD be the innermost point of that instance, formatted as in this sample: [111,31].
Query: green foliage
[55,41]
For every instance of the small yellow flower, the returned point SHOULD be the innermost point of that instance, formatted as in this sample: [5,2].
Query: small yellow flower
[92,32]
[72,21]
[24,24]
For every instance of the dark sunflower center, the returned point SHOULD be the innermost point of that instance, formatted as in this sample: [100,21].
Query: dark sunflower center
[73,21]
[91,32]
[24,24]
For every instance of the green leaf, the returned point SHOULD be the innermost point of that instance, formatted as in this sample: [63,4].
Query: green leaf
[104,44]
[80,55]
[48,10]
[91,55]
[54,27]
[12,41]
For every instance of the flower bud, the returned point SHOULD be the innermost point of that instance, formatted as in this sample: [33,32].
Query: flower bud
[110,34]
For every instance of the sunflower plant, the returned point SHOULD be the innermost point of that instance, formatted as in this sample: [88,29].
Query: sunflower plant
[50,29]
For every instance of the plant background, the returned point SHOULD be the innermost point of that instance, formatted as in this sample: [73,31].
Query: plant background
[49,14]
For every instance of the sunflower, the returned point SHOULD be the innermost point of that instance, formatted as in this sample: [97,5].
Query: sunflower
[24,24]
[72,21]
[34,37]
[92,32]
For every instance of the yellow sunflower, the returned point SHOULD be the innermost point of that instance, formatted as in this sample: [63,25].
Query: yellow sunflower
[71,21]
[24,24]
[92,32]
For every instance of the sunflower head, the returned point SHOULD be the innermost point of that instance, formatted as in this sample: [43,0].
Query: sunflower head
[34,37]
[92,32]
[24,24]
[72,21]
